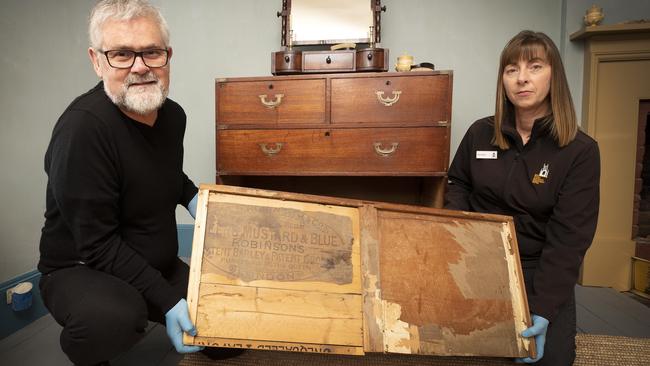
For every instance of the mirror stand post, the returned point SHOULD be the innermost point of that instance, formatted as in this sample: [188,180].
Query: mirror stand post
[285,20]
[377,9]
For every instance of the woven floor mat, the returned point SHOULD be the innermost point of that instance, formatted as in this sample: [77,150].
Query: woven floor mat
[600,350]
[592,350]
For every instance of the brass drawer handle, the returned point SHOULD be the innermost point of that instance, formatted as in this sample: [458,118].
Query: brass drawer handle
[273,103]
[388,101]
[381,151]
[270,151]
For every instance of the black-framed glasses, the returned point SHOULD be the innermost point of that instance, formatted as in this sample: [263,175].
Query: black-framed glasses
[124,59]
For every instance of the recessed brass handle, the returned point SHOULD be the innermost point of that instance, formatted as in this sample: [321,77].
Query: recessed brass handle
[381,151]
[273,103]
[270,151]
[388,101]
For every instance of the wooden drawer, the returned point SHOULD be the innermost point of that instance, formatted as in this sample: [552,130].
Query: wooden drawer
[323,61]
[358,151]
[270,102]
[391,99]
[289,272]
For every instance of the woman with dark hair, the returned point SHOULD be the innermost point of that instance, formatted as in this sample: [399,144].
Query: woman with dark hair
[530,161]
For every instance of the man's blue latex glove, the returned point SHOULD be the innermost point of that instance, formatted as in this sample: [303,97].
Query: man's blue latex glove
[538,330]
[177,321]
[191,207]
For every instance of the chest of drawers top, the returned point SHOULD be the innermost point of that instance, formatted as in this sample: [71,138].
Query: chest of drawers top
[335,100]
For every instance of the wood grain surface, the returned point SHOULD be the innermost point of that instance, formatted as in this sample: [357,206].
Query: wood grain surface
[292,271]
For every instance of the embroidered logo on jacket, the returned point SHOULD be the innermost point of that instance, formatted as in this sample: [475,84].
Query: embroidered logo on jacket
[540,178]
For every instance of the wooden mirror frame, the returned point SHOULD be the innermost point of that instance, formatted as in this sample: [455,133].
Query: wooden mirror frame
[285,14]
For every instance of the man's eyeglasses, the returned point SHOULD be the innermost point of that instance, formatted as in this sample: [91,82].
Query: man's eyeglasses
[124,59]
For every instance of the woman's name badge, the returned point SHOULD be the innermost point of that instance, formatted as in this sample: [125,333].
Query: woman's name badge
[486,154]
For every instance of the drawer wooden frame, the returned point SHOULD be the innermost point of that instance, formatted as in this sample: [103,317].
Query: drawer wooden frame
[412,151]
[379,299]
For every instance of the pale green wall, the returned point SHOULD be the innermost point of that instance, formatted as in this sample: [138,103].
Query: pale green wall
[43,66]
[465,36]
[615,11]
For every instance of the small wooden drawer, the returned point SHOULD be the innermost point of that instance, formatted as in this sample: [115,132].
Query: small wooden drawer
[372,59]
[391,99]
[328,61]
[305,273]
[270,102]
[417,151]
[286,62]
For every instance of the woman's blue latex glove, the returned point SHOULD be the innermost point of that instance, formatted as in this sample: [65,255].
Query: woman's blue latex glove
[191,207]
[177,321]
[538,330]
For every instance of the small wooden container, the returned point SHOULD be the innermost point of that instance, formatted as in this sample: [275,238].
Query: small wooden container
[339,61]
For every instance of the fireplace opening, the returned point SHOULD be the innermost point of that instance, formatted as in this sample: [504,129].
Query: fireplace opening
[641,218]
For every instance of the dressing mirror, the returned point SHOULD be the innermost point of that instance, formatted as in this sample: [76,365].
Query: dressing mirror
[323,22]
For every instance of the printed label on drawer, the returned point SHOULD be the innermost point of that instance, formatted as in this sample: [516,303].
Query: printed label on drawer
[278,244]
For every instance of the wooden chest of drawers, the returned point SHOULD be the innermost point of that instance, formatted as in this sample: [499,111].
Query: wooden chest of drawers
[367,126]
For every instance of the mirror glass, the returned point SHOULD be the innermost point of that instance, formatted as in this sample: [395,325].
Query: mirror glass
[330,21]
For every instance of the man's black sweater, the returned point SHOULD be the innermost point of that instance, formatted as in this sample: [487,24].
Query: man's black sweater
[113,186]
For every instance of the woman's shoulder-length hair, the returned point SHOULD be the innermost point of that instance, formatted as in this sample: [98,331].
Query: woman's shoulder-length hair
[528,45]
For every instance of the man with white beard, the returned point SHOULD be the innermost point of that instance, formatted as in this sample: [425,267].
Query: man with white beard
[115,176]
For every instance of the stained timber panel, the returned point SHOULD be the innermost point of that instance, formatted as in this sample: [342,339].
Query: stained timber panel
[284,271]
